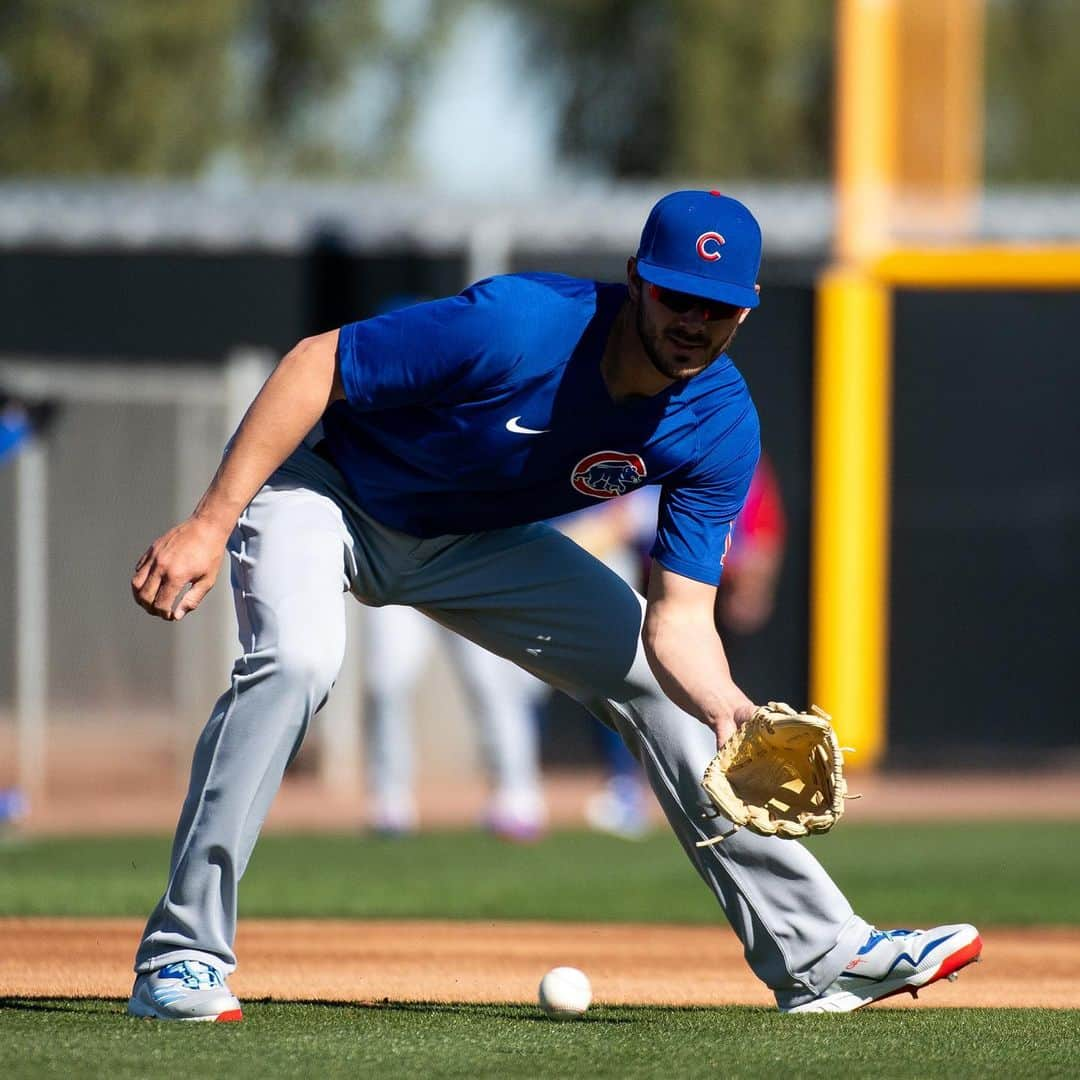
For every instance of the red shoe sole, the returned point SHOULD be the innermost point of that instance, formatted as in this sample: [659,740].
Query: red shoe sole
[959,959]
[229,1017]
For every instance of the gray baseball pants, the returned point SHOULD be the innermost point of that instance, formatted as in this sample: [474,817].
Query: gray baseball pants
[527,593]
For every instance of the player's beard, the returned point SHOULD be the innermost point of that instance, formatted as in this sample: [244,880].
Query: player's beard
[671,366]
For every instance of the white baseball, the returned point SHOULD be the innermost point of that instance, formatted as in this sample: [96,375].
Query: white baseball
[565,993]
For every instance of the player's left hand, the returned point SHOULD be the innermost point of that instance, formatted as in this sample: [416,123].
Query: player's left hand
[782,774]
[178,569]
[726,726]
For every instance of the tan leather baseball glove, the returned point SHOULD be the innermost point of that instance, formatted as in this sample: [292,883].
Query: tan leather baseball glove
[780,774]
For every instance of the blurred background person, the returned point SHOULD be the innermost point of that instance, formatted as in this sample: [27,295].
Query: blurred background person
[398,642]
[15,426]
[746,598]
[19,422]
[15,429]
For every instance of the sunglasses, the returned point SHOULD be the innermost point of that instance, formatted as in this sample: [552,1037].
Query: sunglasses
[680,303]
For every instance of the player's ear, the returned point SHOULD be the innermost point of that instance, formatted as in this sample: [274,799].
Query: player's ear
[633,279]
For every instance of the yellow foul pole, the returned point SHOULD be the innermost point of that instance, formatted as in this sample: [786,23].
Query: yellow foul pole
[850,541]
[865,125]
[940,121]
[852,390]
[908,77]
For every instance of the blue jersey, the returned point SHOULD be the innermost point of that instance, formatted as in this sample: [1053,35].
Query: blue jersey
[489,409]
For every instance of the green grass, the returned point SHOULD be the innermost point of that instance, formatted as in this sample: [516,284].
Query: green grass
[894,875]
[985,873]
[93,1038]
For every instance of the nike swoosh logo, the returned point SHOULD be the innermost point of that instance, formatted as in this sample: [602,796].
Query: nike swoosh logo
[513,426]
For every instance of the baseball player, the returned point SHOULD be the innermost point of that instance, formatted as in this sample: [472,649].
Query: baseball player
[449,431]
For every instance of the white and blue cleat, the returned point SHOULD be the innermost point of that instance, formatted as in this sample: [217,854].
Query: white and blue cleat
[185,990]
[897,962]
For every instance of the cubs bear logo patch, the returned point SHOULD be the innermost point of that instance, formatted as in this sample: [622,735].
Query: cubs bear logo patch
[608,473]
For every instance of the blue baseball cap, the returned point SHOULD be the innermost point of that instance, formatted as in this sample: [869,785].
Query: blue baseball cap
[703,243]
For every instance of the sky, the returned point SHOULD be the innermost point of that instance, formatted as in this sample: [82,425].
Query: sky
[485,123]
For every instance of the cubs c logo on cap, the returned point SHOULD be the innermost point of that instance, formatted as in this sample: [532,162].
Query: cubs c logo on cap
[608,473]
[708,245]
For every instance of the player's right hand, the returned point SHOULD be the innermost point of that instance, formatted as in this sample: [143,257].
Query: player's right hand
[178,569]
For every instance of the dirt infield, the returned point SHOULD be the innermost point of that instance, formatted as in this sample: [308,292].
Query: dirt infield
[376,960]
